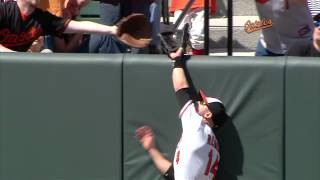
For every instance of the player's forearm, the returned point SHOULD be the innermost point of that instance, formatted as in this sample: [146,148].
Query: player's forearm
[4,49]
[161,163]
[90,28]
[179,79]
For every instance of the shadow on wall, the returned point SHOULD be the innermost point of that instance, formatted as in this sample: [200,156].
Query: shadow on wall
[231,152]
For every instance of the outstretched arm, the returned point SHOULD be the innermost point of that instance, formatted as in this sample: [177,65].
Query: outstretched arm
[90,28]
[146,138]
[179,78]
[181,83]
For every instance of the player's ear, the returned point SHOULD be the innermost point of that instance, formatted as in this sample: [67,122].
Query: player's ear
[208,115]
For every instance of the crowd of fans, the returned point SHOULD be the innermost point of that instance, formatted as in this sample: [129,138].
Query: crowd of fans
[293,31]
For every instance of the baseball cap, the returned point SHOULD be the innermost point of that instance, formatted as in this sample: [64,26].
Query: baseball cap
[216,108]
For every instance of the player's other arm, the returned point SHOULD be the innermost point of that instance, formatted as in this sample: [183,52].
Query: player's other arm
[4,49]
[90,28]
[146,138]
[161,163]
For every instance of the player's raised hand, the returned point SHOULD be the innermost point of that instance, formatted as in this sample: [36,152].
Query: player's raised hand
[146,137]
[174,48]
[176,55]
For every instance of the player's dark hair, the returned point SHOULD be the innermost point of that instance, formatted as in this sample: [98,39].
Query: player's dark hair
[219,115]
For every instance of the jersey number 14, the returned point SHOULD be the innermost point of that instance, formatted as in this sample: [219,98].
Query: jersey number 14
[211,167]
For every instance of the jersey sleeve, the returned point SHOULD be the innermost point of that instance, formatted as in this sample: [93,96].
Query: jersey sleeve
[183,96]
[190,119]
[52,24]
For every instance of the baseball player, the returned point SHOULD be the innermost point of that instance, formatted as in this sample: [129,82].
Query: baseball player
[145,134]
[21,23]
[197,153]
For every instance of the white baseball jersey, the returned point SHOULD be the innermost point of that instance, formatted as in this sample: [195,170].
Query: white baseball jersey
[197,154]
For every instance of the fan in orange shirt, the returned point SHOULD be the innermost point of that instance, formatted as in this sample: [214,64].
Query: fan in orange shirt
[56,7]
[180,4]
[195,18]
[53,6]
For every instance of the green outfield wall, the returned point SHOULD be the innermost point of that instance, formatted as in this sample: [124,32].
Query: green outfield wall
[73,116]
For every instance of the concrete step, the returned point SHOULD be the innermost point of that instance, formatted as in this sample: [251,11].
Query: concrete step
[240,7]
[238,21]
[241,40]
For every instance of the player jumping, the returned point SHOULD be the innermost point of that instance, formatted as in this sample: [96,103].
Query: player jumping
[197,153]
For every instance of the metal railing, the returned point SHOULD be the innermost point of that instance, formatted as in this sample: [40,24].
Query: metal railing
[166,16]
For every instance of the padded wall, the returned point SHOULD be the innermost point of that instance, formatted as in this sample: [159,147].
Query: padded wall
[252,90]
[303,119]
[148,100]
[60,117]
[73,117]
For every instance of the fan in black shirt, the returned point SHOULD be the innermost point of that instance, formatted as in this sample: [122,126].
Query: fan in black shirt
[21,23]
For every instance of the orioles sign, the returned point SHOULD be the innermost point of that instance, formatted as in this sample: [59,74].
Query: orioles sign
[250,27]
